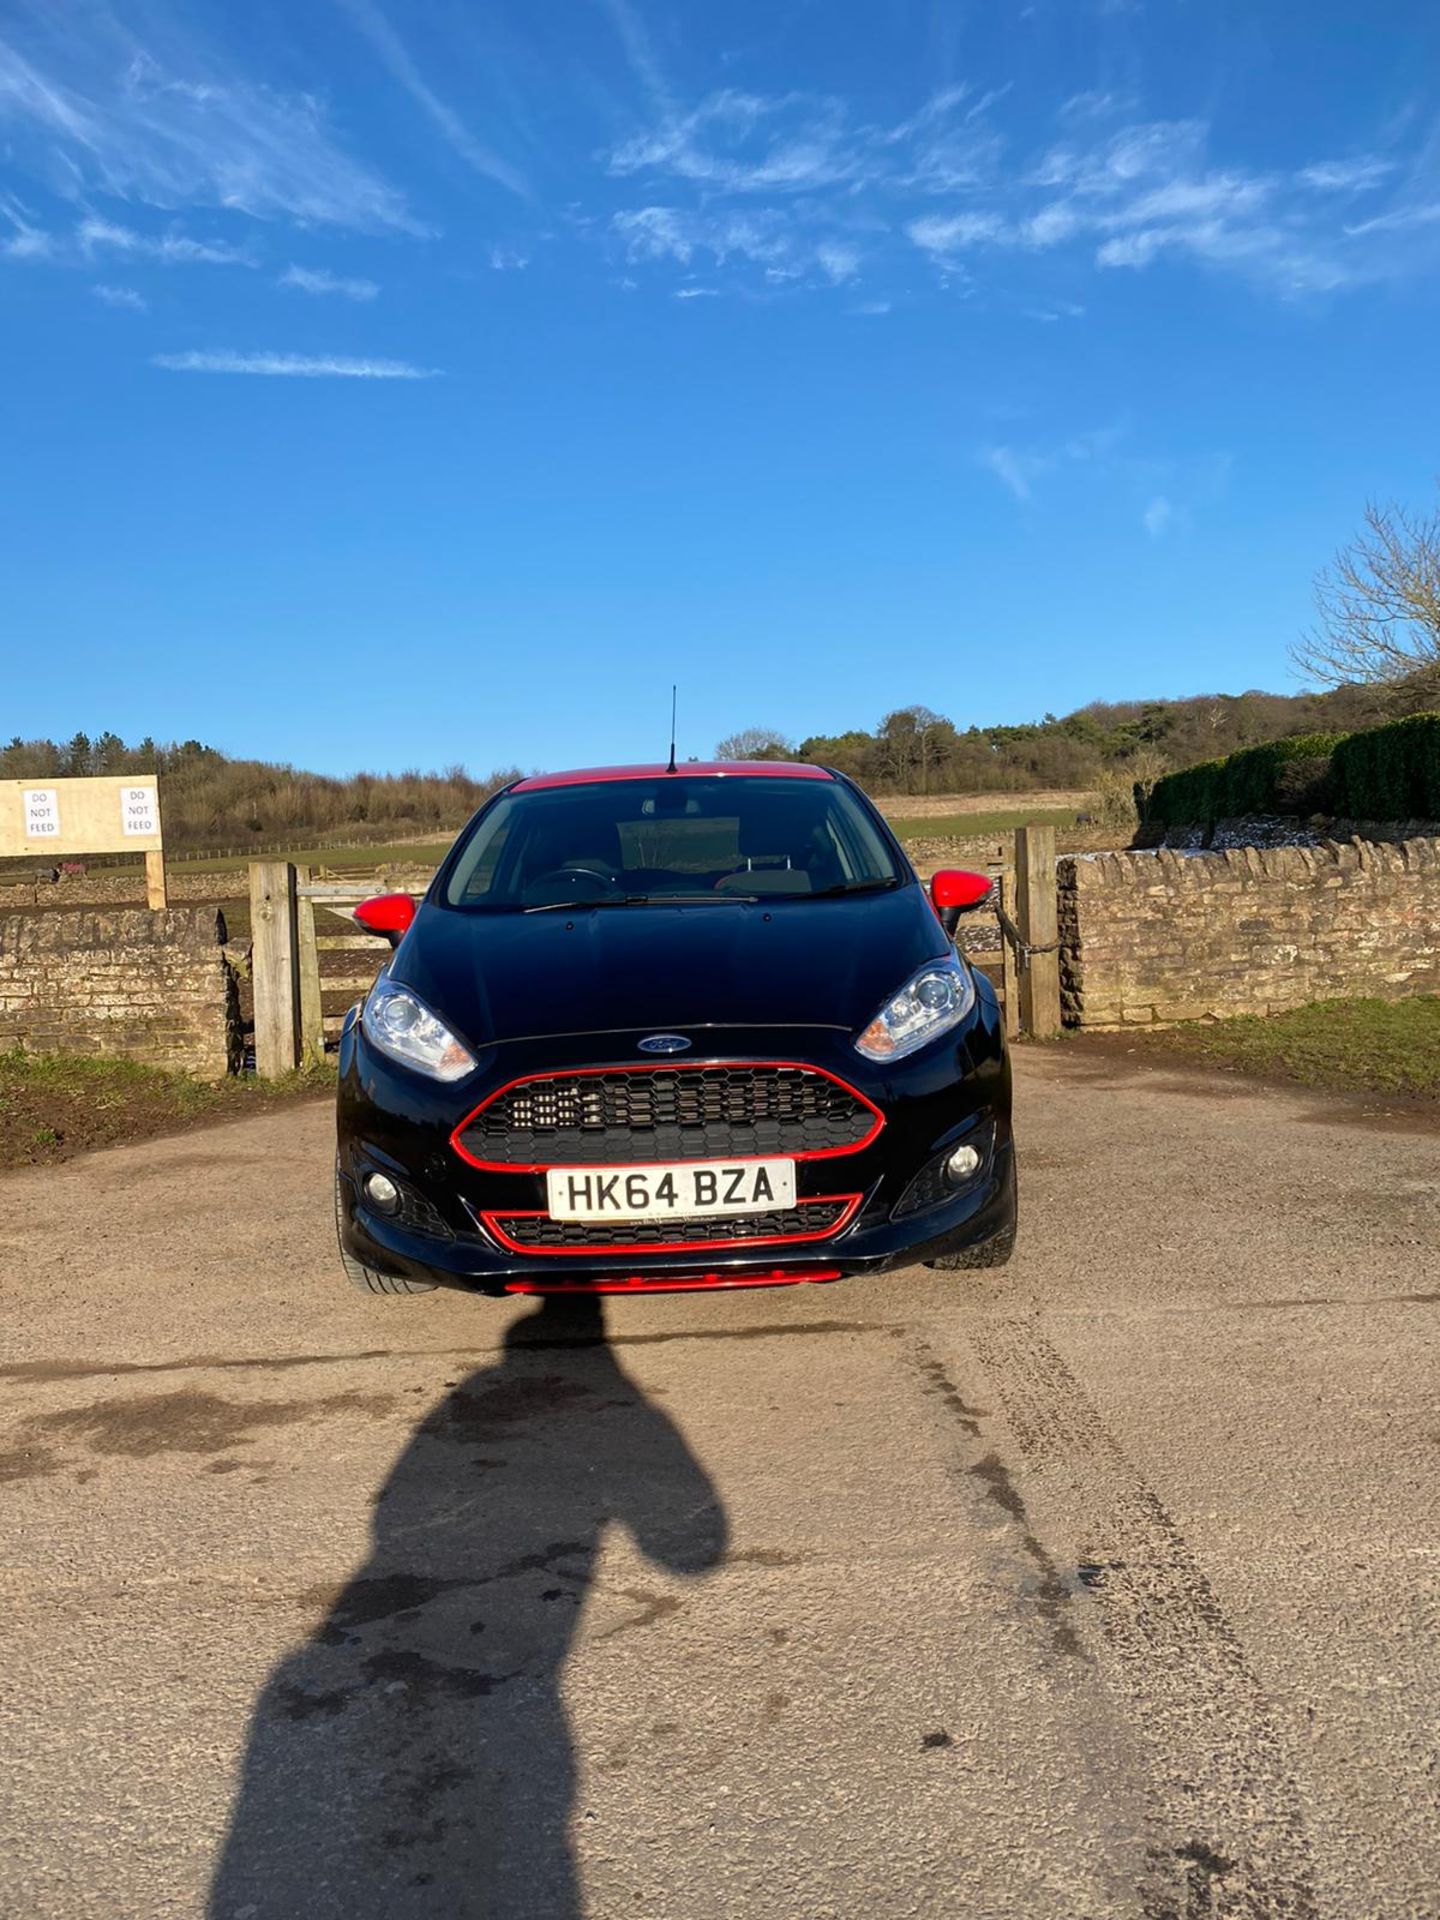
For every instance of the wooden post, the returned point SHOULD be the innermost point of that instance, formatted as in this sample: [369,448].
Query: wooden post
[312,1016]
[156,894]
[274,967]
[1037,916]
[1009,967]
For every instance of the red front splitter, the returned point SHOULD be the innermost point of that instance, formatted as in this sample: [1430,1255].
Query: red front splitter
[680,1282]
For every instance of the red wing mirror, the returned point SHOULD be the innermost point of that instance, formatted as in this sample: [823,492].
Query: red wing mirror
[955,891]
[388,914]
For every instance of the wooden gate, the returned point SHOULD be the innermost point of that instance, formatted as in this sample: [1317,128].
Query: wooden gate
[296,919]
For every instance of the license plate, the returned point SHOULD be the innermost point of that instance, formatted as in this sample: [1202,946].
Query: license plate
[684,1191]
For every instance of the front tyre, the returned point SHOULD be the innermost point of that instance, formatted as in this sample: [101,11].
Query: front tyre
[365,1279]
[994,1252]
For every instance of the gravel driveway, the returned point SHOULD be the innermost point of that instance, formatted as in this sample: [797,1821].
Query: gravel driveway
[1104,1585]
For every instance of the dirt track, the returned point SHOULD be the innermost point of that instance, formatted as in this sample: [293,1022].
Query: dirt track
[1105,1585]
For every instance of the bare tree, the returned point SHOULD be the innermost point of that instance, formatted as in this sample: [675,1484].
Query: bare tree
[754,743]
[1379,608]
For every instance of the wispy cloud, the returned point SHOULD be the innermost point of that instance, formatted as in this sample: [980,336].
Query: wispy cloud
[945,236]
[125,297]
[747,143]
[320,280]
[509,259]
[1400,220]
[1157,516]
[1118,192]
[1346,176]
[785,251]
[1014,470]
[1018,469]
[26,240]
[635,41]
[372,23]
[293,366]
[98,112]
[94,235]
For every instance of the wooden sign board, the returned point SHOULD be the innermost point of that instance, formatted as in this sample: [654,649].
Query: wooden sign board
[108,813]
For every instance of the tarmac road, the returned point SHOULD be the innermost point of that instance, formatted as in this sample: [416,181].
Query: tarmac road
[1105,1585]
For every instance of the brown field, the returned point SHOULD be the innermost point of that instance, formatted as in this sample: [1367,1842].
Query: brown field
[917,806]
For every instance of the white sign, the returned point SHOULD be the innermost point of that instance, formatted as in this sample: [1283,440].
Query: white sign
[139,810]
[40,807]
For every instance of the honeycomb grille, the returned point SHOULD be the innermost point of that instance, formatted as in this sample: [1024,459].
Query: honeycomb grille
[815,1218]
[687,1113]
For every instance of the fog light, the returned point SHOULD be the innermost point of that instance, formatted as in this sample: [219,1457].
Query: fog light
[962,1164]
[382,1193]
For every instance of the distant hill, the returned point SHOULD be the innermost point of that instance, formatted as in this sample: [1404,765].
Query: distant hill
[213,801]
[916,751]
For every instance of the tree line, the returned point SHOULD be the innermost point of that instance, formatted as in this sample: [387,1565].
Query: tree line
[914,750]
[211,800]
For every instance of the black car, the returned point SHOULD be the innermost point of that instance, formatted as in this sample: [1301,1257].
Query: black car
[659,1029]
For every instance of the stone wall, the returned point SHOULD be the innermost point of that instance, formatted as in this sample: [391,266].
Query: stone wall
[153,987]
[1149,938]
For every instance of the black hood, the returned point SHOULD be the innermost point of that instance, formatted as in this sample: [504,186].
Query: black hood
[795,963]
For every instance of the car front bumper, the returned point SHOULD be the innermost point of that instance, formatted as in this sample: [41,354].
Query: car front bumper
[393,1121]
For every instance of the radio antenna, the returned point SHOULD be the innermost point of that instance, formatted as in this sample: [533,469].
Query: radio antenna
[671,767]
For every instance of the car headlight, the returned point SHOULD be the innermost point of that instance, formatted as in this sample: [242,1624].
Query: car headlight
[937,998]
[400,1024]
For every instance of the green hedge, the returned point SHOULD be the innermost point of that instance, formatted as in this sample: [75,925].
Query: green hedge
[1385,773]
[1390,773]
[1283,776]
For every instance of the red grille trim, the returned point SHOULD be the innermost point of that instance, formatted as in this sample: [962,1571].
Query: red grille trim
[491,1221]
[681,1282]
[670,1066]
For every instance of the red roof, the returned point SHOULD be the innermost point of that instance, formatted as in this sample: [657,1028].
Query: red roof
[588,776]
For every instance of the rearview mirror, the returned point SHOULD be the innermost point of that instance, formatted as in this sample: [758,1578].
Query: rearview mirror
[388,914]
[954,891]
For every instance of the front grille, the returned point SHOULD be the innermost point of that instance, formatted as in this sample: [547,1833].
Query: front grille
[667,1113]
[421,1215]
[812,1219]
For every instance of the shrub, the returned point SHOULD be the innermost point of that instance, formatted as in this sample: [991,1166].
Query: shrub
[1283,776]
[1190,797]
[1390,773]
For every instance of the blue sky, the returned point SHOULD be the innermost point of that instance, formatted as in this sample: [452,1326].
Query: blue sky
[400,385]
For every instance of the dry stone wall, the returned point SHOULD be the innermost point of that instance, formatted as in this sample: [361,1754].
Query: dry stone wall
[129,984]
[1150,938]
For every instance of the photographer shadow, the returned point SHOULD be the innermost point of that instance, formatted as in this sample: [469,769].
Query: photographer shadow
[413,1756]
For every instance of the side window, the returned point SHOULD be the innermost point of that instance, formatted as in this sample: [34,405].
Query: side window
[482,875]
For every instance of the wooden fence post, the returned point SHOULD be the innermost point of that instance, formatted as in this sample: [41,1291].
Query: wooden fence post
[1037,916]
[312,1015]
[274,967]
[156,894]
[1009,967]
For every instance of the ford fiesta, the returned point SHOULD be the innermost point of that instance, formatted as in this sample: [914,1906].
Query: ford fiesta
[659,1029]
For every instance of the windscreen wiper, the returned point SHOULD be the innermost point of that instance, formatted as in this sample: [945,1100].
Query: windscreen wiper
[644,900]
[854,886]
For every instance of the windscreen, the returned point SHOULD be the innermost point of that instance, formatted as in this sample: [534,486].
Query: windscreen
[671,838]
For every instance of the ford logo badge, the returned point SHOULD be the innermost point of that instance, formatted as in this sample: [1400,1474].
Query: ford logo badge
[665,1043]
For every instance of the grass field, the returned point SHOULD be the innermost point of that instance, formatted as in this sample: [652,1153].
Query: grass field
[410,853]
[1350,1046]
